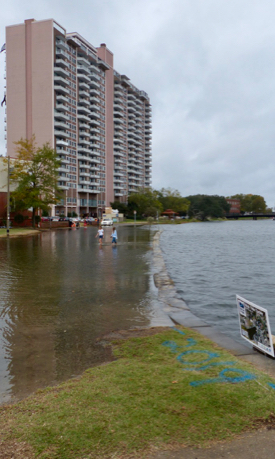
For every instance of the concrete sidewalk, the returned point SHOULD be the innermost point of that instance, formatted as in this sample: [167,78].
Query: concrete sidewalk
[253,445]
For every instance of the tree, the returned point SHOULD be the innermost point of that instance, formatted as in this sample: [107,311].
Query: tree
[120,206]
[203,206]
[172,199]
[142,200]
[35,172]
[251,203]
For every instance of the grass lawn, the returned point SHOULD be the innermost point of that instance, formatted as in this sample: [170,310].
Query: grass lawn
[17,231]
[174,387]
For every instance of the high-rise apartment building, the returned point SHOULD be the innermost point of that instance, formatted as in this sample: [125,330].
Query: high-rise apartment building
[65,91]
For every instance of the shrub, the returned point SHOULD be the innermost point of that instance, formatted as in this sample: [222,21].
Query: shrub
[19,218]
[37,218]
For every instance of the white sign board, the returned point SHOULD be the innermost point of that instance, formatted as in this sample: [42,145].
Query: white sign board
[254,325]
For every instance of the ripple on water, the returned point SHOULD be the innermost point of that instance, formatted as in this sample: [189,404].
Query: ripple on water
[222,260]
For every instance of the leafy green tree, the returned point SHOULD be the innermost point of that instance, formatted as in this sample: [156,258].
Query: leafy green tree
[251,203]
[35,172]
[203,206]
[172,199]
[120,206]
[258,204]
[144,199]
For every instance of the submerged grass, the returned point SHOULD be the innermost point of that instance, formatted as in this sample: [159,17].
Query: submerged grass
[142,399]
[17,231]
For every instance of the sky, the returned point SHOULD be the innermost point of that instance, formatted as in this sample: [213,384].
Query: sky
[208,67]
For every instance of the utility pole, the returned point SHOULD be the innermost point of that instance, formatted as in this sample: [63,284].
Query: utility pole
[8,199]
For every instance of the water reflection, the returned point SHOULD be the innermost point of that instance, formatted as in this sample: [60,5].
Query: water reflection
[59,292]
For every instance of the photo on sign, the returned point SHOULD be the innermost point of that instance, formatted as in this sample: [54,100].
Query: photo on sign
[254,325]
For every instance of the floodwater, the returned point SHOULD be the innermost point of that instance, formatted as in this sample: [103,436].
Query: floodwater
[212,262]
[59,292]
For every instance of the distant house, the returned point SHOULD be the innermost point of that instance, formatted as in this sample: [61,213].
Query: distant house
[235,205]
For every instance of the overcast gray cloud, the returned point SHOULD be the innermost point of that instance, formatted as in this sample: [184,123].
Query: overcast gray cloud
[208,67]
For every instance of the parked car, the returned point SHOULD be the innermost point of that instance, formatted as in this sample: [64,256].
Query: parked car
[107,222]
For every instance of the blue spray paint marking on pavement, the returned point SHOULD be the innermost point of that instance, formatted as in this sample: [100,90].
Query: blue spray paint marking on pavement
[211,355]
[245,376]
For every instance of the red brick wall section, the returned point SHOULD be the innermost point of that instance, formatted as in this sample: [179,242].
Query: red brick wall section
[3,205]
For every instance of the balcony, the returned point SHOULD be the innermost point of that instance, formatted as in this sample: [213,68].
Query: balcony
[59,133]
[85,189]
[83,93]
[94,68]
[82,69]
[82,157]
[94,115]
[61,71]
[82,181]
[58,79]
[94,176]
[60,52]
[94,138]
[95,76]
[94,92]
[83,85]
[62,108]
[60,125]
[117,113]
[84,174]
[119,153]
[63,169]
[94,85]
[83,142]
[94,145]
[62,186]
[60,115]
[61,143]
[81,149]
[63,159]
[83,78]
[95,100]
[85,102]
[94,122]
[83,133]
[82,61]
[62,63]
[61,44]
[82,117]
[63,178]
[83,110]
[83,125]
[61,89]
[118,121]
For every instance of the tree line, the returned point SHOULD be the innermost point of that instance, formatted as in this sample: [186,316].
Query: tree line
[35,172]
[151,203]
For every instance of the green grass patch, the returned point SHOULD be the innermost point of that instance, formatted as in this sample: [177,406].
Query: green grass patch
[17,231]
[143,398]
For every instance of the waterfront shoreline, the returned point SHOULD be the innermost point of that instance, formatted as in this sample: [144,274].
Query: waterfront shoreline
[180,314]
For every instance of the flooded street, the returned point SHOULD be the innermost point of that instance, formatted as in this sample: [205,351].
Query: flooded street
[59,293]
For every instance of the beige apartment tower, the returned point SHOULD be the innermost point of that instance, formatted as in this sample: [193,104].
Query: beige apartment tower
[65,91]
